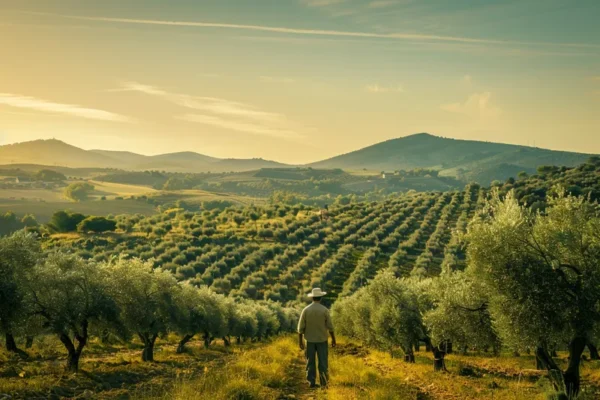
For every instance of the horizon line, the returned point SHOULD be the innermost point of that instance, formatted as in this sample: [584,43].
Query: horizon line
[310,162]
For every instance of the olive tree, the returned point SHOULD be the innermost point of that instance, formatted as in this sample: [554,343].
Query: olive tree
[543,271]
[243,321]
[147,299]
[203,311]
[18,255]
[459,312]
[70,294]
[384,314]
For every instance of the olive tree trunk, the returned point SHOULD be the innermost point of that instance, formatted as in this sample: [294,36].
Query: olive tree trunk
[543,359]
[571,375]
[439,363]
[593,351]
[148,340]
[183,342]
[74,352]
[439,355]
[11,344]
[207,340]
[409,356]
[570,380]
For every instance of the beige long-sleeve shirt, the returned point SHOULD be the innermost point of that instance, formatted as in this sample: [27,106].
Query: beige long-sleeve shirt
[315,323]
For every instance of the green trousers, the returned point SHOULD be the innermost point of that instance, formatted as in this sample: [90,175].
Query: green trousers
[314,351]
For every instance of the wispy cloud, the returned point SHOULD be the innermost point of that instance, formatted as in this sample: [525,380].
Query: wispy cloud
[478,105]
[41,105]
[321,3]
[382,3]
[221,113]
[321,32]
[467,80]
[276,79]
[207,104]
[376,88]
[239,126]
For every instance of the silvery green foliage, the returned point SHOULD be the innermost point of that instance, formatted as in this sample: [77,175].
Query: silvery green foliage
[70,295]
[384,314]
[542,270]
[18,255]
[459,312]
[147,297]
[202,311]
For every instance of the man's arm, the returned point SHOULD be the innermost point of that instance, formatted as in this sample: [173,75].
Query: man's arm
[301,329]
[330,329]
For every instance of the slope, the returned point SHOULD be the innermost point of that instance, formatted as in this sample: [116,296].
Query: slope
[465,159]
[54,152]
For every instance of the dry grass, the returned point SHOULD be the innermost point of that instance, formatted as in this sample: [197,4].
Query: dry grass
[265,373]
[107,372]
[359,373]
[273,370]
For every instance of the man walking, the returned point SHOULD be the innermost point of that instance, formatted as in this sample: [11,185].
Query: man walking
[313,326]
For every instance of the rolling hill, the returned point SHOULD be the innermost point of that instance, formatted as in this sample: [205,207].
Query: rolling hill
[56,153]
[467,160]
[60,154]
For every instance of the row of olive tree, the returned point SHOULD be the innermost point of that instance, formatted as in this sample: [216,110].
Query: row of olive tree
[532,281]
[62,294]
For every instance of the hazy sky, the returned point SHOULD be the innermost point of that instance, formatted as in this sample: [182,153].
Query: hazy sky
[298,80]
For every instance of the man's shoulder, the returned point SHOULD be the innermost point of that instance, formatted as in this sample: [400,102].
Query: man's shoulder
[315,306]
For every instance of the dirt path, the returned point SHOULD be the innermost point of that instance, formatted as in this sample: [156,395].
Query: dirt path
[300,390]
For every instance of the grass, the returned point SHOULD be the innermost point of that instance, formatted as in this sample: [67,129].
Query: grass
[273,370]
[45,202]
[43,210]
[107,372]
[269,372]
[111,190]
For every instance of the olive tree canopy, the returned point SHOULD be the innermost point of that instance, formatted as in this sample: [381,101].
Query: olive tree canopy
[543,272]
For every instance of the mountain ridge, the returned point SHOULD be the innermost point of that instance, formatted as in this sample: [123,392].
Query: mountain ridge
[54,152]
[468,160]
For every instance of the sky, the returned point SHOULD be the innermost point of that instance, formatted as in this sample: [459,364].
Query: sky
[298,80]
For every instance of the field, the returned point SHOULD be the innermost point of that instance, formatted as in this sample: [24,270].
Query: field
[107,198]
[280,253]
[260,260]
[273,370]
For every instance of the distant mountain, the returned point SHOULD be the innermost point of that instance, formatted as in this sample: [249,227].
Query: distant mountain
[57,153]
[465,159]
[184,156]
[125,157]
[54,152]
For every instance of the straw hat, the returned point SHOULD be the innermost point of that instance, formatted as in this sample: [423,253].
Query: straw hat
[316,292]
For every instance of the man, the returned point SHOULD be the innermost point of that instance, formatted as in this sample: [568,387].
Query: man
[313,326]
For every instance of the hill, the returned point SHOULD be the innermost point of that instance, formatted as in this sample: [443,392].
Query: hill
[55,153]
[60,154]
[467,160]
